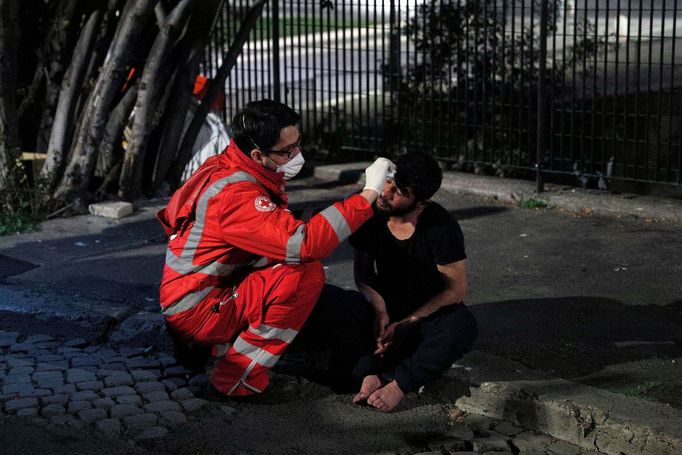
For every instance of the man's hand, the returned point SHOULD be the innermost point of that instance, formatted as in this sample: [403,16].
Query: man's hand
[381,321]
[392,332]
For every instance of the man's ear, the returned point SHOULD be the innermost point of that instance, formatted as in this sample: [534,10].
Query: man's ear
[256,155]
[424,203]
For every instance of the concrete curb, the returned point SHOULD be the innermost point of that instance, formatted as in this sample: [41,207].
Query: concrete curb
[585,416]
[514,191]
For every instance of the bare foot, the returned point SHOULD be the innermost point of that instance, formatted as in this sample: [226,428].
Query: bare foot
[369,385]
[387,397]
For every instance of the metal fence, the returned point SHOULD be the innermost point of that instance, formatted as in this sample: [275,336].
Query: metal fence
[588,89]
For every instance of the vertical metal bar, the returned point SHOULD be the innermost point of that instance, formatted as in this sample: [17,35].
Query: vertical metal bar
[276,77]
[638,67]
[659,104]
[670,98]
[649,95]
[593,113]
[604,115]
[540,187]
[300,49]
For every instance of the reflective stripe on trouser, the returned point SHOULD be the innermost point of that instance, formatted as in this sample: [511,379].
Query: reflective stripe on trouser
[276,302]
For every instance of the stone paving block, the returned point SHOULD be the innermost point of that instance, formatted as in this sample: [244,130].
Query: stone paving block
[21,370]
[74,343]
[68,349]
[142,364]
[114,392]
[193,404]
[47,344]
[21,403]
[14,362]
[491,444]
[461,432]
[531,441]
[151,433]
[50,383]
[77,362]
[90,385]
[448,445]
[563,448]
[110,427]
[103,403]
[91,415]
[172,384]
[151,386]
[46,375]
[77,406]
[65,389]
[167,361]
[143,376]
[50,358]
[74,375]
[161,406]
[54,399]
[130,352]
[17,378]
[8,338]
[27,412]
[478,423]
[38,338]
[21,347]
[129,399]
[182,394]
[35,393]
[177,371]
[111,209]
[62,420]
[60,365]
[158,395]
[174,417]
[52,410]
[77,424]
[17,388]
[92,349]
[123,410]
[199,380]
[104,372]
[118,379]
[141,420]
[85,395]
[508,428]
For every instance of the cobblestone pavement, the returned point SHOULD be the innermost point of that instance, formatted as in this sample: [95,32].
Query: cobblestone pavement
[136,395]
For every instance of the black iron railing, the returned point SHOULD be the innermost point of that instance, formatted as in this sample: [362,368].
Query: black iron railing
[598,101]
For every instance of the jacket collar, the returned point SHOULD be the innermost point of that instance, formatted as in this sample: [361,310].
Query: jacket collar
[273,181]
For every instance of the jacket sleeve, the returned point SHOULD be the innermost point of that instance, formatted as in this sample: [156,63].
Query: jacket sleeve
[250,221]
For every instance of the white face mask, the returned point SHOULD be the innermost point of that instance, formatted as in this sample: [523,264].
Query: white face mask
[293,167]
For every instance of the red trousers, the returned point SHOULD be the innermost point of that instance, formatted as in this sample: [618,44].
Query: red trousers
[252,325]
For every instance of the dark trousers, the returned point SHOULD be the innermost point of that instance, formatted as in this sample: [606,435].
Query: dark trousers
[343,322]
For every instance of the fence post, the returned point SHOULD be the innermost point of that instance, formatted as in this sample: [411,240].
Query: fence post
[275,51]
[542,76]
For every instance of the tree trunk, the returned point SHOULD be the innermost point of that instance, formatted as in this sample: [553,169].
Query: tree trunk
[56,50]
[77,176]
[118,119]
[199,32]
[64,115]
[149,91]
[8,78]
[216,85]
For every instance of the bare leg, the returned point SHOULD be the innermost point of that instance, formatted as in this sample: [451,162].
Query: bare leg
[386,398]
[369,385]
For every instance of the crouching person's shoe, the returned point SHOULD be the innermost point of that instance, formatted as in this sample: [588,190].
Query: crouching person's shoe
[282,389]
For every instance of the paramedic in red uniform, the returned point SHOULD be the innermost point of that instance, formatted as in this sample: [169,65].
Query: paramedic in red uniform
[242,274]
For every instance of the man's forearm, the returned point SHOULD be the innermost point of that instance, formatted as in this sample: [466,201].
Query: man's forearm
[440,300]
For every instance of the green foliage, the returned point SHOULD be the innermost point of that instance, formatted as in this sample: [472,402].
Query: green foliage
[23,202]
[532,204]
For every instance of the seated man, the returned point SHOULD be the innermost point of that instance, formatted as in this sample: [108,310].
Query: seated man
[241,273]
[410,266]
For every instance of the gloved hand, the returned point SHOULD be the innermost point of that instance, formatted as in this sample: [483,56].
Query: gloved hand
[377,173]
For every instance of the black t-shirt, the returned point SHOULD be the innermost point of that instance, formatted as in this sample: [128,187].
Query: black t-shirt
[407,275]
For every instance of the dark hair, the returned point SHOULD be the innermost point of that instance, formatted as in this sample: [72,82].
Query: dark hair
[418,173]
[260,123]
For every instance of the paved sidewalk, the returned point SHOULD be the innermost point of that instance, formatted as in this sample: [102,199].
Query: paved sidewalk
[573,297]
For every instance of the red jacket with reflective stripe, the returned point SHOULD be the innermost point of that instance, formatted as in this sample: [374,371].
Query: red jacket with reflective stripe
[230,217]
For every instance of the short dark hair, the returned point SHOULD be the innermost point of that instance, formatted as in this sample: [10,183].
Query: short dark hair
[260,123]
[418,173]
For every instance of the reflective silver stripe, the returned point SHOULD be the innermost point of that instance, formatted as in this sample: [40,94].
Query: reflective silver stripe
[184,264]
[260,356]
[243,378]
[337,222]
[221,349]
[260,262]
[294,245]
[190,300]
[273,333]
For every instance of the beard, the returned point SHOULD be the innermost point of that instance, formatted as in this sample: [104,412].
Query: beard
[394,211]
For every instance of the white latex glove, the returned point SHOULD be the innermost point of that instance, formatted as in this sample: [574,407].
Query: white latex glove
[377,173]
